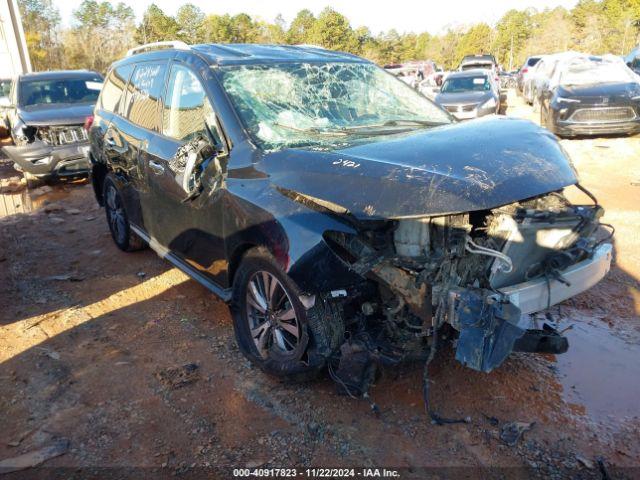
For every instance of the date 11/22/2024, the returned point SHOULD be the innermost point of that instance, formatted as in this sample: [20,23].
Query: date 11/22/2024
[313,473]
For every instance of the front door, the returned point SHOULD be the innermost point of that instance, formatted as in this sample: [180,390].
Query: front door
[185,174]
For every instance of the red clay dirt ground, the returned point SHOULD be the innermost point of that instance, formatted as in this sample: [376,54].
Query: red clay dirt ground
[90,339]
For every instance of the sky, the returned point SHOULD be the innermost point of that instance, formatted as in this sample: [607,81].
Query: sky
[402,15]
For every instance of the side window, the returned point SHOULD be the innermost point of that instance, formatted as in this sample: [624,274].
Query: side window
[113,88]
[186,111]
[143,94]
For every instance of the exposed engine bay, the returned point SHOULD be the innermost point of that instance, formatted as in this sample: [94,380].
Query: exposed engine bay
[52,135]
[455,272]
[50,150]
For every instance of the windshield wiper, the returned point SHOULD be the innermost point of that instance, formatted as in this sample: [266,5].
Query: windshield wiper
[366,130]
[412,121]
[313,130]
[402,122]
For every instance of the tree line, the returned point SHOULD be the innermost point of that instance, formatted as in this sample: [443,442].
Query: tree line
[101,32]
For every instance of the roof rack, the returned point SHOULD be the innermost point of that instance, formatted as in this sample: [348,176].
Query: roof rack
[176,44]
[309,45]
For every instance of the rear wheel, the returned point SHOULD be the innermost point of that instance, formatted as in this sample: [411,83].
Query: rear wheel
[117,219]
[536,102]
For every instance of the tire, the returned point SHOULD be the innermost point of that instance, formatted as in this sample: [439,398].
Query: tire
[117,219]
[536,102]
[33,182]
[270,321]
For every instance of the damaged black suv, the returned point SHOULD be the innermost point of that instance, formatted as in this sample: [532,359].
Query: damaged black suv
[345,217]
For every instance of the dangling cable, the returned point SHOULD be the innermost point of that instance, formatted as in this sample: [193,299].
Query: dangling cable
[435,418]
[588,194]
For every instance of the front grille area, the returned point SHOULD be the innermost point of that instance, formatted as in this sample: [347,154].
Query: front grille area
[603,115]
[461,108]
[63,135]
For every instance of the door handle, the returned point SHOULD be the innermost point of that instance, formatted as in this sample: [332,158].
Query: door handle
[156,167]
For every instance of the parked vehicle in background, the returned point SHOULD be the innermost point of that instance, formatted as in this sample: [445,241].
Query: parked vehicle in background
[632,59]
[525,72]
[483,61]
[413,73]
[5,87]
[507,80]
[473,62]
[591,95]
[634,64]
[346,217]
[5,103]
[541,74]
[469,94]
[46,118]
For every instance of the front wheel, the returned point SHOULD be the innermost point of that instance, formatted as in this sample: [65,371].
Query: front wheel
[32,181]
[269,318]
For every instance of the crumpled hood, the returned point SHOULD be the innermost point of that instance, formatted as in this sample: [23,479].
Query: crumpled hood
[457,168]
[463,97]
[56,114]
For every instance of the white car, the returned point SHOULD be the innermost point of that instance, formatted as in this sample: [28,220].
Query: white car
[541,74]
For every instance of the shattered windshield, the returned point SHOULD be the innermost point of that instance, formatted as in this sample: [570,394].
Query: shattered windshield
[588,72]
[324,104]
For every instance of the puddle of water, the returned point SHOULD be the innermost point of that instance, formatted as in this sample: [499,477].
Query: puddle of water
[601,372]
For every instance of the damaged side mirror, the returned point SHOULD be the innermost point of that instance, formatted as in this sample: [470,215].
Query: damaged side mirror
[195,156]
[196,161]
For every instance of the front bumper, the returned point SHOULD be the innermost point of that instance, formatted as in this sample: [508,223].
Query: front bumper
[492,326]
[568,129]
[476,113]
[42,160]
[533,295]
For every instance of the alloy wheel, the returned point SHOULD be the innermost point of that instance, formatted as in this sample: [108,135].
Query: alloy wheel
[272,319]
[115,214]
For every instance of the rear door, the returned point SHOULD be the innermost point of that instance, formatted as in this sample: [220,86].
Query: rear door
[107,106]
[131,132]
[190,227]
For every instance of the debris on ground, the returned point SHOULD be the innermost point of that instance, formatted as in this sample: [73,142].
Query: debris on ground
[511,432]
[34,457]
[19,439]
[52,208]
[65,278]
[49,353]
[177,377]
[585,462]
[492,420]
